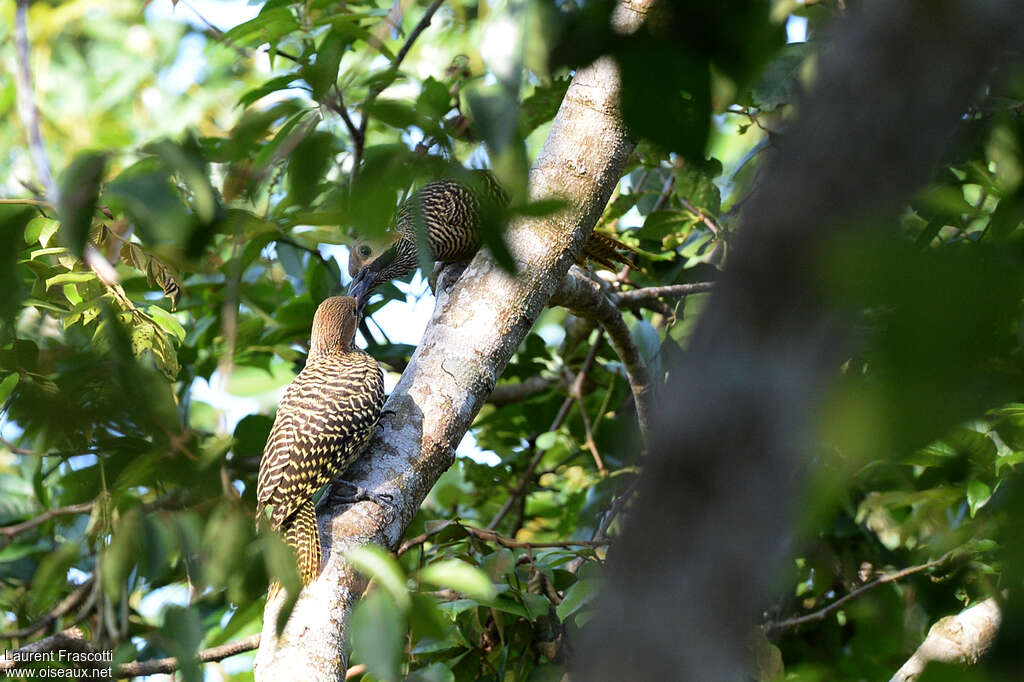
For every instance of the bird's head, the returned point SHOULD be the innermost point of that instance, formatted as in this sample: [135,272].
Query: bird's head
[369,267]
[334,326]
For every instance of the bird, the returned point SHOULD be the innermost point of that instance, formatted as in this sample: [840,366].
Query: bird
[450,213]
[324,422]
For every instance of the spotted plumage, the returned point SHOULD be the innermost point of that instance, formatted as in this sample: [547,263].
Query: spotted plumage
[448,214]
[323,423]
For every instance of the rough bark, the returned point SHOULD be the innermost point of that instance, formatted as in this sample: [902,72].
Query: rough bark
[697,555]
[963,638]
[474,331]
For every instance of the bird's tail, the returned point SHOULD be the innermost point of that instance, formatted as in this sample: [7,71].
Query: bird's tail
[604,249]
[303,537]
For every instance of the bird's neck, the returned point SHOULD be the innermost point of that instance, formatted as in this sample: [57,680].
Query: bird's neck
[400,259]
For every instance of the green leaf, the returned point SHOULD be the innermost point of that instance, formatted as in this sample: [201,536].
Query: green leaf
[307,165]
[51,578]
[461,577]
[79,190]
[434,99]
[660,224]
[182,634]
[577,596]
[648,342]
[145,192]
[541,106]
[546,440]
[382,567]
[681,121]
[70,277]
[17,499]
[270,26]
[187,162]
[40,229]
[7,386]
[1011,460]
[378,634]
[323,73]
[695,182]
[167,321]
[435,672]
[13,220]
[978,493]
[251,435]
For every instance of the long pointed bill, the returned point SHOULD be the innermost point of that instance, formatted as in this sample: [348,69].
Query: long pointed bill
[361,288]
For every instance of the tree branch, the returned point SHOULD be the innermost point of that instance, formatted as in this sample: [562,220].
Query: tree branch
[963,638]
[63,608]
[170,664]
[476,327]
[647,295]
[584,296]
[506,394]
[10,531]
[68,640]
[27,110]
[822,613]
[497,538]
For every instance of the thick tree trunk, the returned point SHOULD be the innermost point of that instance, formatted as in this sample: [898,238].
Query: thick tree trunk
[698,554]
[476,327]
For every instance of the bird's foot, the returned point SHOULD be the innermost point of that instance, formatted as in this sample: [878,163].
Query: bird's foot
[357,493]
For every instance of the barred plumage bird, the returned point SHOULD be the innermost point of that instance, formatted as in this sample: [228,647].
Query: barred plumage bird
[450,214]
[324,421]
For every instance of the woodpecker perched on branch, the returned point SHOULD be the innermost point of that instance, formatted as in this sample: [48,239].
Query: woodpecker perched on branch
[449,213]
[323,423]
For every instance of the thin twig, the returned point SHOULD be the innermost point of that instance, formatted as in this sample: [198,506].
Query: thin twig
[589,434]
[14,448]
[640,297]
[312,251]
[602,530]
[820,614]
[751,115]
[28,112]
[666,192]
[583,295]
[27,202]
[360,138]
[420,27]
[341,110]
[524,481]
[10,531]
[63,608]
[700,215]
[498,538]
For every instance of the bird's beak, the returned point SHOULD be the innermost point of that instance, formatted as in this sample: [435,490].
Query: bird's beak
[357,287]
[361,288]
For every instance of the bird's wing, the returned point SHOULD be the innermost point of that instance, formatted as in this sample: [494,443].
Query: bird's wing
[324,420]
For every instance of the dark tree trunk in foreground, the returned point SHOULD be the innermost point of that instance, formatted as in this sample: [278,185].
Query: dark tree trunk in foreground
[688,577]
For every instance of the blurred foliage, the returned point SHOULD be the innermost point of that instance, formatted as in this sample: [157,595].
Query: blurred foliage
[219,204]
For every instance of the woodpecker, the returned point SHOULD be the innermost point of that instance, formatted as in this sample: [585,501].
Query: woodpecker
[323,424]
[449,213]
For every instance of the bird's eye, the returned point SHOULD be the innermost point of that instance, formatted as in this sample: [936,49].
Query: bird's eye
[364,251]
